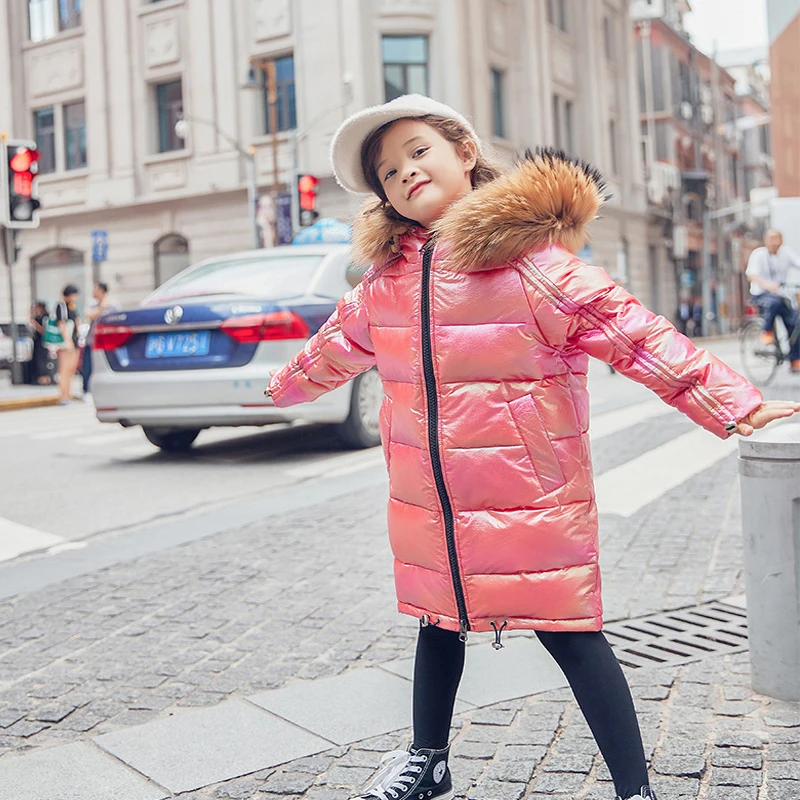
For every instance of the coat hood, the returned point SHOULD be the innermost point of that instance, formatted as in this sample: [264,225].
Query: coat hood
[547,198]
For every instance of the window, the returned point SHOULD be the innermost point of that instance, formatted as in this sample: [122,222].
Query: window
[556,110]
[569,139]
[169,100]
[170,256]
[608,37]
[405,65]
[563,124]
[498,103]
[663,141]
[267,277]
[286,107]
[41,19]
[44,127]
[612,139]
[557,14]
[764,142]
[75,135]
[54,268]
[69,14]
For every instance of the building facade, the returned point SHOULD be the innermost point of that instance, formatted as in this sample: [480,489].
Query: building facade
[100,86]
[696,161]
[783,18]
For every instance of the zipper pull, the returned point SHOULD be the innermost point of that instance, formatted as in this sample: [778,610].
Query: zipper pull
[497,644]
[463,627]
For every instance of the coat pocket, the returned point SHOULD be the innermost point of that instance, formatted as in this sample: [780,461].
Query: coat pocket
[533,432]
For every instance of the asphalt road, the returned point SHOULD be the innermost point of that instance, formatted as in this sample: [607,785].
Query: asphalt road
[64,473]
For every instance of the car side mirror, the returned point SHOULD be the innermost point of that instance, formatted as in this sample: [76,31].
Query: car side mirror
[355,273]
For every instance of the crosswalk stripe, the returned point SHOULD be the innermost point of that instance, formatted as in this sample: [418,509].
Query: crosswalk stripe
[631,486]
[16,539]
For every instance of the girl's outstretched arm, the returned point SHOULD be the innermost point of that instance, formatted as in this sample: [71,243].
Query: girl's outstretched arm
[336,353]
[608,323]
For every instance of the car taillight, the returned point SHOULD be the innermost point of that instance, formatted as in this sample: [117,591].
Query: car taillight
[110,337]
[264,327]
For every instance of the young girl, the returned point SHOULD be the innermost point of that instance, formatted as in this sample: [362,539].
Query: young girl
[481,322]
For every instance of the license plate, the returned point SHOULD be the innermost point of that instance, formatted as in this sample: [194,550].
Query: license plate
[178,344]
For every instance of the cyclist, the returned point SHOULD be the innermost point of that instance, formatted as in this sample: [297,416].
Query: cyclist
[768,270]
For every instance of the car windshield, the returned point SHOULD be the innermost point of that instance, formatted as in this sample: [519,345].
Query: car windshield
[268,278]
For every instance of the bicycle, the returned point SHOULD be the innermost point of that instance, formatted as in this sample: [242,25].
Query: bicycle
[761,360]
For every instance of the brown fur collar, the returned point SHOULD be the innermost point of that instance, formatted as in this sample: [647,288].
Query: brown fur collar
[547,198]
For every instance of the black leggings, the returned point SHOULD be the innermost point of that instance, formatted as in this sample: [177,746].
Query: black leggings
[594,675]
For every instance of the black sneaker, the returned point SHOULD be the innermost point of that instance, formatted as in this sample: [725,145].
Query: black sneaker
[411,775]
[645,793]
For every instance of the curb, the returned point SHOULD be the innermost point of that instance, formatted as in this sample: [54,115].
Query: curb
[16,404]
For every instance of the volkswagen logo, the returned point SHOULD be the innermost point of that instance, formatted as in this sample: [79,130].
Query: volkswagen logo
[173,315]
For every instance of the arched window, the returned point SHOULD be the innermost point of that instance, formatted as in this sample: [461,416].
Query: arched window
[52,270]
[170,256]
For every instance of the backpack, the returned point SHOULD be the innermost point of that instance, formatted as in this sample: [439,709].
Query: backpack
[52,333]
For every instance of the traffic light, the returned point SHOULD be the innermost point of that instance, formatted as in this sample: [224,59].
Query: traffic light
[307,191]
[19,204]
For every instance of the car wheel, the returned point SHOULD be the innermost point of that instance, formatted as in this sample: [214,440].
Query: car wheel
[171,441]
[362,426]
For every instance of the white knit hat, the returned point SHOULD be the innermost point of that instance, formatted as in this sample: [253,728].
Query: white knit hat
[351,134]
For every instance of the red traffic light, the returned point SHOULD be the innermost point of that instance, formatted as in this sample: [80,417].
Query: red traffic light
[24,160]
[19,170]
[307,184]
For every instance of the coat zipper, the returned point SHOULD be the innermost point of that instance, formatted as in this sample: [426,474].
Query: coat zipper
[433,441]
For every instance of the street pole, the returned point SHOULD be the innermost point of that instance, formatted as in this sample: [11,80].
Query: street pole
[649,110]
[272,96]
[720,199]
[10,250]
[252,200]
[295,192]
[706,269]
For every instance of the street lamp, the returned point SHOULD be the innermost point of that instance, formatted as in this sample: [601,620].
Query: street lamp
[182,132]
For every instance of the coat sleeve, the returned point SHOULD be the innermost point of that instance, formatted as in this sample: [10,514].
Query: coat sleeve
[337,352]
[608,323]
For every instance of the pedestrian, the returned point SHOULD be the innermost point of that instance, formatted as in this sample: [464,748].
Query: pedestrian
[99,304]
[769,269]
[39,358]
[68,353]
[481,321]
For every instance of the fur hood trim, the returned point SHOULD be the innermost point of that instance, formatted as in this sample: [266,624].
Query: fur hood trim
[547,198]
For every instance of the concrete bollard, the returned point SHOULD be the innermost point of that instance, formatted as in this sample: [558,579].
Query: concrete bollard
[769,465]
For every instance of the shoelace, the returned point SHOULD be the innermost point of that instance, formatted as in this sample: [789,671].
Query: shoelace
[392,779]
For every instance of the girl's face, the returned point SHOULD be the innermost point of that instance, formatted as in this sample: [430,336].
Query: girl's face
[421,172]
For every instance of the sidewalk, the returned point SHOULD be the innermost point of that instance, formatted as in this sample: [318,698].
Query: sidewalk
[13,398]
[269,662]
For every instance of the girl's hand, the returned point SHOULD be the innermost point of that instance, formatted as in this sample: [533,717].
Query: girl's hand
[767,412]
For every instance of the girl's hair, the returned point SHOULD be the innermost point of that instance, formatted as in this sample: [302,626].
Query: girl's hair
[483,172]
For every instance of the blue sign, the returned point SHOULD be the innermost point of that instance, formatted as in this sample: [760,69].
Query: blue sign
[586,254]
[324,231]
[99,245]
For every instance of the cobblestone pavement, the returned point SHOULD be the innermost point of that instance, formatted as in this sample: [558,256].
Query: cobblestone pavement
[311,595]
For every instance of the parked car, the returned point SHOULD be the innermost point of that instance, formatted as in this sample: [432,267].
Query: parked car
[198,351]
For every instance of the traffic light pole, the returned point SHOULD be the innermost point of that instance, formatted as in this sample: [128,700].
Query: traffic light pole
[10,251]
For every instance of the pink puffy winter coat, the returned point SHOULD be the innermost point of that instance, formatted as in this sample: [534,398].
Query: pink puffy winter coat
[481,334]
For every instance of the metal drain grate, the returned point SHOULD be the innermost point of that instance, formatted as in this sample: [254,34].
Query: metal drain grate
[673,637]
